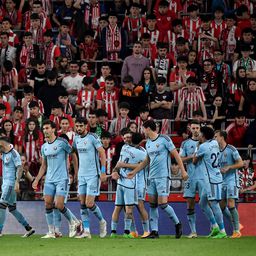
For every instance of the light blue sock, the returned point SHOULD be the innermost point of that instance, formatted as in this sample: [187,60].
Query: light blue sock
[67,213]
[85,216]
[2,217]
[153,217]
[192,220]
[19,217]
[97,212]
[145,225]
[133,226]
[49,216]
[56,218]
[235,218]
[227,214]
[207,210]
[127,224]
[218,214]
[170,212]
[113,225]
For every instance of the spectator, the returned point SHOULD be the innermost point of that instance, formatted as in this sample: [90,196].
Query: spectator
[28,97]
[93,125]
[250,136]
[218,112]
[7,52]
[2,114]
[134,64]
[73,82]
[67,106]
[66,129]
[247,62]
[50,92]
[133,23]
[143,117]
[6,91]
[193,64]
[132,94]
[122,120]
[35,113]
[161,101]
[113,40]
[102,117]
[86,98]
[107,98]
[37,30]
[192,99]
[237,130]
[89,47]
[8,109]
[148,50]
[176,182]
[132,126]
[9,75]
[248,100]
[14,15]
[38,76]
[6,27]
[18,121]
[105,72]
[218,24]
[63,68]
[65,42]
[27,51]
[51,52]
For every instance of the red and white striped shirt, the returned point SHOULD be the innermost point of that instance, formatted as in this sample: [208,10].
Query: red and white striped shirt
[192,27]
[85,97]
[140,123]
[19,128]
[110,152]
[172,37]
[192,100]
[108,102]
[7,79]
[153,33]
[218,28]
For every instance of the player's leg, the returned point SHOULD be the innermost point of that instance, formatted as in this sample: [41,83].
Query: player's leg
[119,204]
[232,196]
[93,190]
[3,205]
[163,190]
[57,221]
[189,194]
[223,204]
[144,217]
[128,221]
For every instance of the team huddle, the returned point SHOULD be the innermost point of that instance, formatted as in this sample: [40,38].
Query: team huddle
[211,170]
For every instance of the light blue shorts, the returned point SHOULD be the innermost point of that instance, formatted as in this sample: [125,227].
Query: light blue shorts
[230,191]
[53,189]
[8,195]
[193,186]
[141,194]
[89,186]
[158,187]
[213,191]
[126,196]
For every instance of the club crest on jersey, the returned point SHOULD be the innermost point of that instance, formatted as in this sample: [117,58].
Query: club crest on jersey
[55,148]
[157,145]
[85,142]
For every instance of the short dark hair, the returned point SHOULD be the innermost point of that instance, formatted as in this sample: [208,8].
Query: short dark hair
[28,89]
[2,106]
[105,134]
[81,120]
[33,104]
[207,132]
[101,112]
[125,105]
[87,80]
[191,79]
[150,124]
[64,136]
[49,122]
[136,138]
[4,34]
[128,79]
[110,78]
[8,65]
[5,88]
[125,131]
[18,108]
[222,133]
[195,122]
[161,80]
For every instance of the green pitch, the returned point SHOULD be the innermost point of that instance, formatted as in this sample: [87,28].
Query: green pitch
[14,245]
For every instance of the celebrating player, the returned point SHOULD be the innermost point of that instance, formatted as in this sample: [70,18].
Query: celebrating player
[91,156]
[159,150]
[54,160]
[11,168]
[230,161]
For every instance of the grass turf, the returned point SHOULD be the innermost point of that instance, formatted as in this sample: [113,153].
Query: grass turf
[15,245]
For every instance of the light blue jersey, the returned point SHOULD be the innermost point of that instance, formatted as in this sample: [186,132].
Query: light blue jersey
[87,149]
[209,152]
[158,151]
[11,161]
[228,156]
[55,154]
[132,155]
[188,148]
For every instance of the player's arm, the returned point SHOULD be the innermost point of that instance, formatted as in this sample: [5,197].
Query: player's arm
[238,164]
[75,164]
[140,166]
[121,164]
[19,175]
[178,159]
[102,155]
[40,174]
[250,188]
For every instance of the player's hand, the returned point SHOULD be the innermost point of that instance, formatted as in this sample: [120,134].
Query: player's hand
[184,176]
[224,169]
[17,187]
[120,164]
[115,176]
[103,177]
[130,175]
[35,184]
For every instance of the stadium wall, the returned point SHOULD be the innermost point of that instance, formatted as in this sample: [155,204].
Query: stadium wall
[34,212]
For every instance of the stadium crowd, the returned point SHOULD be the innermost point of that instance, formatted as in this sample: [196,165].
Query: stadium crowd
[119,63]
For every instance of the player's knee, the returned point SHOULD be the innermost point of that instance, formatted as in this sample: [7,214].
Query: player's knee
[163,206]
[3,206]
[128,214]
[91,205]
[153,205]
[49,205]
[191,211]
[59,206]
[12,208]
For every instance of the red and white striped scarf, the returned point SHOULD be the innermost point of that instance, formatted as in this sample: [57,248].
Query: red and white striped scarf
[92,13]
[110,152]
[192,26]
[37,36]
[7,79]
[113,42]
[109,103]
[165,126]
[140,123]
[32,149]
[12,16]
[87,97]
[27,53]
[68,109]
[48,54]
[172,37]
[118,124]
[153,33]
